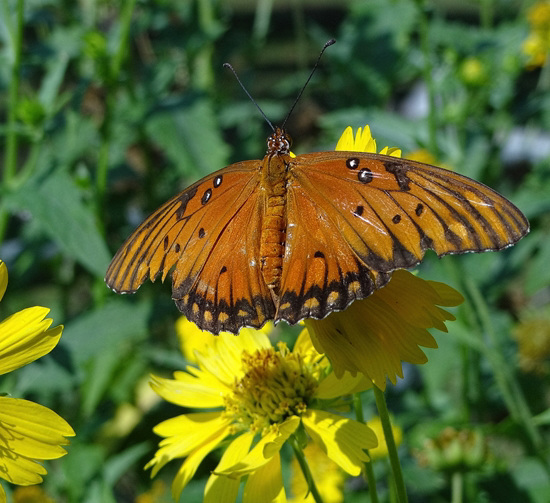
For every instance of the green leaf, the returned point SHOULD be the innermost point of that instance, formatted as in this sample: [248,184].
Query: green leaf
[52,81]
[118,465]
[190,136]
[106,329]
[55,202]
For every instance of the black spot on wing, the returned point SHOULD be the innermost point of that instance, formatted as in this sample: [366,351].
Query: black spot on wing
[206,196]
[364,175]
[183,200]
[352,163]
[399,171]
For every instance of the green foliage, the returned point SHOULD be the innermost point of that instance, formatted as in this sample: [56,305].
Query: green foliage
[109,108]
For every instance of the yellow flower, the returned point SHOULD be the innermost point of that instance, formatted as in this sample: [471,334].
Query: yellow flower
[533,336]
[455,451]
[381,450]
[374,335]
[328,474]
[28,431]
[31,494]
[537,44]
[257,397]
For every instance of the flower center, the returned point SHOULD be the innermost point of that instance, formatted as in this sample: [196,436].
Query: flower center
[275,385]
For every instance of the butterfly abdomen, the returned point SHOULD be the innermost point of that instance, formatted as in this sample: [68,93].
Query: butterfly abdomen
[273,243]
[273,234]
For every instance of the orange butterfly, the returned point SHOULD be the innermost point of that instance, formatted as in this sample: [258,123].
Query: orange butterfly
[287,238]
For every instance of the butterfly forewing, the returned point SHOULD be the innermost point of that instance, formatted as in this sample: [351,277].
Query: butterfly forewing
[184,231]
[391,210]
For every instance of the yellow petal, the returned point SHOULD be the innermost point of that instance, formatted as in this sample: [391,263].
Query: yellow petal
[333,387]
[190,465]
[3,279]
[363,142]
[346,141]
[221,488]
[266,483]
[304,346]
[192,338]
[2,495]
[223,359]
[376,334]
[28,432]
[21,470]
[185,434]
[24,337]
[268,446]
[342,439]
[393,151]
[194,388]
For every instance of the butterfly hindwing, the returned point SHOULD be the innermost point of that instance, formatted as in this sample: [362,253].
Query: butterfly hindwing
[321,272]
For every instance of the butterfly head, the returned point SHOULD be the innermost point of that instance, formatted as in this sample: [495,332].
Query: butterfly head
[279,143]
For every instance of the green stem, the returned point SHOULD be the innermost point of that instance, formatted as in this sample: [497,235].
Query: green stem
[305,469]
[10,156]
[112,84]
[390,443]
[486,13]
[427,72]
[457,486]
[368,471]
[508,385]
[122,48]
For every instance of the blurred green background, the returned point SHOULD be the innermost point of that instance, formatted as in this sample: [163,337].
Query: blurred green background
[109,108]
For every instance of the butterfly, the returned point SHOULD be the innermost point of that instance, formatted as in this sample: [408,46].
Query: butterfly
[288,238]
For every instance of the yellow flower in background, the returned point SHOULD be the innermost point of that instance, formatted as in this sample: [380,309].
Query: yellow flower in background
[31,494]
[533,336]
[256,397]
[329,475]
[381,450]
[455,451]
[537,45]
[28,431]
[375,335]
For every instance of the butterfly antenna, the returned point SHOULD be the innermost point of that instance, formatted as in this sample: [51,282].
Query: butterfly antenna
[328,44]
[227,65]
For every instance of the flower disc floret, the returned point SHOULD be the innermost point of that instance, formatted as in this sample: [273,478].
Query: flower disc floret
[275,386]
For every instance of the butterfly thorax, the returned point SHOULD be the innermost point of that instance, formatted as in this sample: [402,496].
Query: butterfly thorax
[274,183]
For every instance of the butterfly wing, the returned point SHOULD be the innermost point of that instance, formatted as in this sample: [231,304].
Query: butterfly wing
[210,233]
[355,217]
